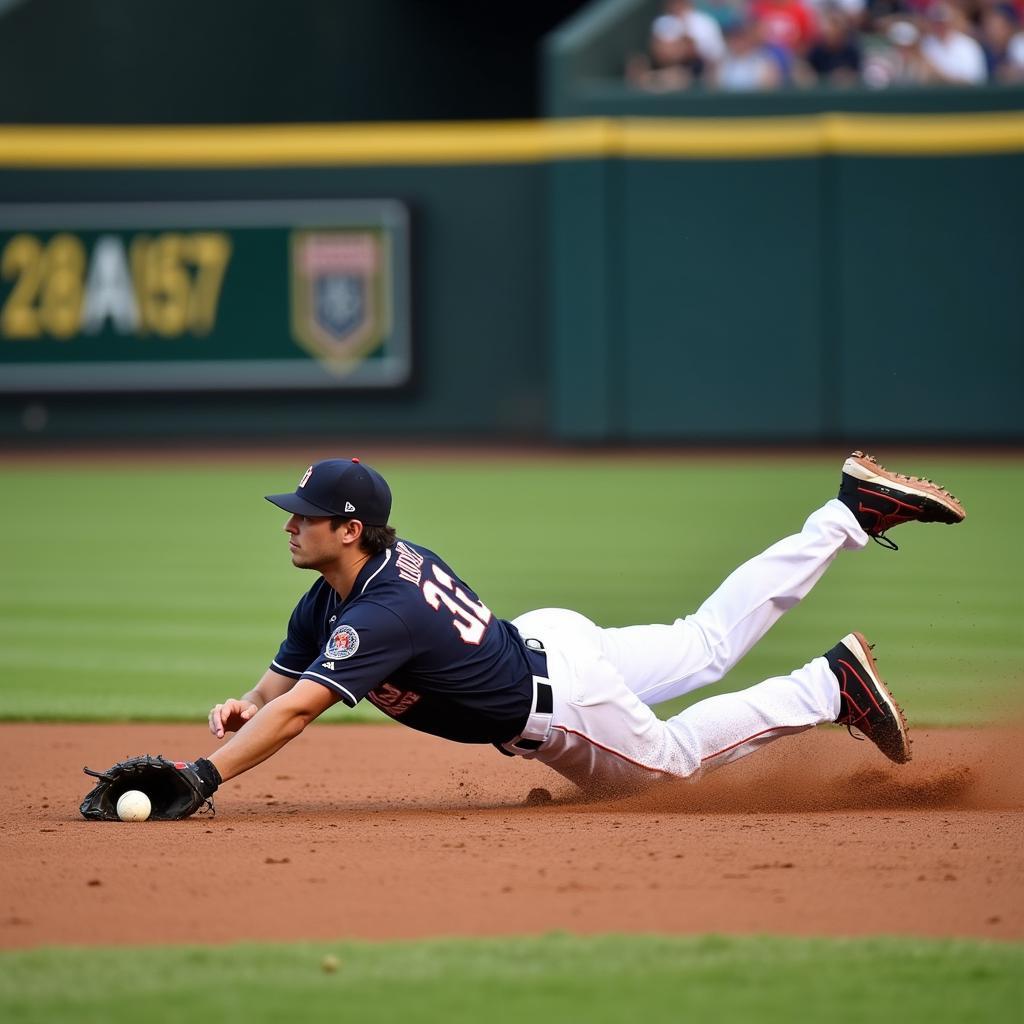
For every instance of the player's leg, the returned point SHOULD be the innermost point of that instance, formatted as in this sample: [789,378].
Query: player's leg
[604,737]
[841,686]
[660,662]
[729,726]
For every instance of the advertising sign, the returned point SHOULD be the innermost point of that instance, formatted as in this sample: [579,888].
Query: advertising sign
[169,296]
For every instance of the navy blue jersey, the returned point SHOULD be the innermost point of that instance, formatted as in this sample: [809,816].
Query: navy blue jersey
[418,643]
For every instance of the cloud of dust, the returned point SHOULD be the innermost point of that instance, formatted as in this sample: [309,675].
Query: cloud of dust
[961,769]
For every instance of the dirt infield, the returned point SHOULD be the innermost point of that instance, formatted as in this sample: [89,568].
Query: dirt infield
[378,832]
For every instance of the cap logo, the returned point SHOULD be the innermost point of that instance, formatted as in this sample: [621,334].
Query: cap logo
[305,477]
[344,642]
[349,507]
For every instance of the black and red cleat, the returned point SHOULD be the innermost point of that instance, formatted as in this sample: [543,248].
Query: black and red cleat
[865,703]
[881,499]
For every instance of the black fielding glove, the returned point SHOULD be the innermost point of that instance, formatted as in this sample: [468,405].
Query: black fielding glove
[176,789]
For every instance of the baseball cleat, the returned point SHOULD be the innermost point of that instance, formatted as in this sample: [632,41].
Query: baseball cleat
[865,703]
[881,499]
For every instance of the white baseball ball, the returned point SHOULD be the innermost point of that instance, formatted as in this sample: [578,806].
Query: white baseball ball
[133,805]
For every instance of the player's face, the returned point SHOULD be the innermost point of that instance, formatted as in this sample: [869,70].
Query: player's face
[312,542]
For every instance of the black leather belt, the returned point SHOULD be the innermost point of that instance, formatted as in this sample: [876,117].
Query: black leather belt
[538,724]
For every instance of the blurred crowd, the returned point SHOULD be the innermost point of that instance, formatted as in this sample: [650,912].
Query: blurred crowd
[734,45]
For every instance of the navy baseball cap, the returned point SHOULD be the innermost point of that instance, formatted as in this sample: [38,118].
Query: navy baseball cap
[339,487]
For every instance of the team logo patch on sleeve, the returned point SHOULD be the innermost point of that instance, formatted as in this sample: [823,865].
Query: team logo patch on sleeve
[344,642]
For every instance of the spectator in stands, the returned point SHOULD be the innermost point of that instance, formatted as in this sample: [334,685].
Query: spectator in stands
[680,20]
[899,62]
[1004,44]
[747,65]
[948,53]
[835,57]
[683,43]
[683,67]
[787,24]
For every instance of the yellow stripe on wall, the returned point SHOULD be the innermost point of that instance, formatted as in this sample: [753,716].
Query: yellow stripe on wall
[850,134]
[500,142]
[936,135]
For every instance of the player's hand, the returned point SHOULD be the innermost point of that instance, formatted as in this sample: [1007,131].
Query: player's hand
[231,716]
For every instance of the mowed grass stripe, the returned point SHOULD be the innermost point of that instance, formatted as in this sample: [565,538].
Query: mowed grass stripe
[600,979]
[165,589]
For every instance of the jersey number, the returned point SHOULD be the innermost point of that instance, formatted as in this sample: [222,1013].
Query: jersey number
[470,617]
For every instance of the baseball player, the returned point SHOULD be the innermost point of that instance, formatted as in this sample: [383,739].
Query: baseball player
[389,621]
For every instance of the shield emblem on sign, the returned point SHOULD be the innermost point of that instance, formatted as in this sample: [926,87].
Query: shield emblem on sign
[340,306]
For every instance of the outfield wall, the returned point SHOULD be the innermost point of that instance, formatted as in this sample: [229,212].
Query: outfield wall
[799,278]
[594,279]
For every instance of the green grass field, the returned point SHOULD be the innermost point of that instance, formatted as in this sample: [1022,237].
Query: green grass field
[604,980]
[150,592]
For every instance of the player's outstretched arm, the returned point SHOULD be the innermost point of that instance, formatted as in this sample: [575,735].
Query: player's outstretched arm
[235,712]
[279,721]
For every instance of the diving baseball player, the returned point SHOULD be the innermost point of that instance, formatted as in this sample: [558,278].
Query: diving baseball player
[389,621]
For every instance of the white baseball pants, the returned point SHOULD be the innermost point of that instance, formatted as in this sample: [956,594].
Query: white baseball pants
[604,734]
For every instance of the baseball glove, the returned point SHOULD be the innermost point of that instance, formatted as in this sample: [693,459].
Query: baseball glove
[175,789]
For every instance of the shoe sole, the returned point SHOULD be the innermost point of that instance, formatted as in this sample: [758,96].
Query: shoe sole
[864,468]
[857,645]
